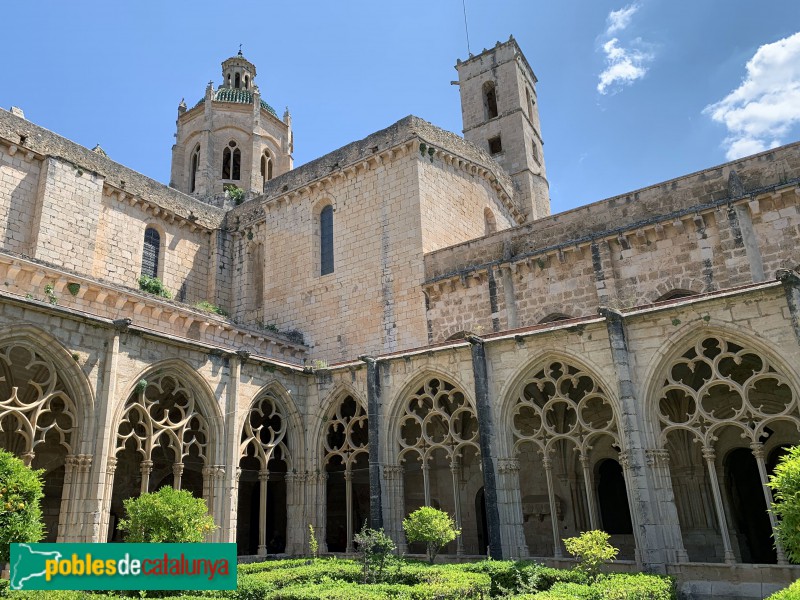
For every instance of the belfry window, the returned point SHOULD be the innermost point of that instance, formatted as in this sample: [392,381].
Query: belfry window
[194,165]
[236,81]
[495,145]
[231,161]
[529,104]
[266,166]
[490,100]
[326,240]
[152,247]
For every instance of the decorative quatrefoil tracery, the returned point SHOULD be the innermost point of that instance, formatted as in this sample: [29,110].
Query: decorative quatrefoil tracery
[347,434]
[716,384]
[437,417]
[562,402]
[163,415]
[34,402]
[264,431]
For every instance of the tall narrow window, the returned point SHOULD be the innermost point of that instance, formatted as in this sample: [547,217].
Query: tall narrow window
[152,246]
[529,103]
[266,167]
[231,161]
[194,165]
[326,240]
[490,99]
[236,84]
[246,82]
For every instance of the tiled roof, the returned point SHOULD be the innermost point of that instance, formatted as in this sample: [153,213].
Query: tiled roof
[237,96]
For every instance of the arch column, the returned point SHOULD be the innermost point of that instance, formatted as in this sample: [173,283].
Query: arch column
[710,456]
[263,478]
[213,477]
[758,453]
[393,476]
[70,464]
[455,471]
[146,468]
[591,500]
[547,464]
[509,499]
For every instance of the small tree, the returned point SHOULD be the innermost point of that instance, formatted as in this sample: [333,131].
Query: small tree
[592,550]
[20,513]
[374,546]
[433,527]
[166,516]
[785,484]
[313,544]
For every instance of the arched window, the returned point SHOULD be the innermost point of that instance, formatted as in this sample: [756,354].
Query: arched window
[194,165]
[490,100]
[675,295]
[231,161]
[553,317]
[152,246]
[236,84]
[535,151]
[246,82]
[612,497]
[326,240]
[266,167]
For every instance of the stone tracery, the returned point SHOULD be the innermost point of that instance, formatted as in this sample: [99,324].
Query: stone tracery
[262,445]
[38,419]
[561,407]
[345,448]
[439,429]
[716,397]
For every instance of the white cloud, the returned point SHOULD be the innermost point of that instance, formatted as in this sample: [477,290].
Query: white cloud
[765,107]
[625,63]
[620,19]
[623,66]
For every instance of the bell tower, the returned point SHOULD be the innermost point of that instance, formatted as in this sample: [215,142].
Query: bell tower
[500,114]
[231,143]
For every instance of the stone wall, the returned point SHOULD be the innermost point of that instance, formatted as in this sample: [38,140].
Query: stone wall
[716,229]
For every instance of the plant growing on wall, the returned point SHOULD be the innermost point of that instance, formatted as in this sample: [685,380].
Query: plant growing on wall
[234,192]
[153,285]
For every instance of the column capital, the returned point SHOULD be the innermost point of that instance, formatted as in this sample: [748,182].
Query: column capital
[508,465]
[392,472]
[709,453]
[625,459]
[758,450]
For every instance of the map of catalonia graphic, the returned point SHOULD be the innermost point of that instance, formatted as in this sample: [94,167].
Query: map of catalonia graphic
[30,564]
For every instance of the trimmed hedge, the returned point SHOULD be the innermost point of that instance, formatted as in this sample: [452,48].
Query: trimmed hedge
[635,587]
[790,593]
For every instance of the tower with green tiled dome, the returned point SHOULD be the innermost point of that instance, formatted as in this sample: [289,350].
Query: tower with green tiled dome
[230,140]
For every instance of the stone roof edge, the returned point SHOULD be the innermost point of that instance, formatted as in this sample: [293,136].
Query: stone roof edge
[381,145]
[43,142]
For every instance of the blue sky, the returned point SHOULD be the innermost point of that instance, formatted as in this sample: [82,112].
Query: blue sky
[677,95]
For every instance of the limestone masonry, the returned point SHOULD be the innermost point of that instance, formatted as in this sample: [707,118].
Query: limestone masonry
[401,323]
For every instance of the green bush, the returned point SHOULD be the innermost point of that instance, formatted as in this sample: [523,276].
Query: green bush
[374,546]
[790,593]
[576,591]
[785,484]
[166,516]
[639,586]
[153,285]
[20,495]
[592,550]
[433,527]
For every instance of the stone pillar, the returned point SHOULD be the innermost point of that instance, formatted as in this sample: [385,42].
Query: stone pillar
[710,456]
[296,527]
[486,437]
[105,510]
[81,513]
[658,461]
[591,500]
[510,507]
[212,492]
[146,467]
[263,478]
[455,471]
[648,527]
[758,453]
[373,423]
[65,516]
[547,464]
[393,476]
[177,473]
[229,494]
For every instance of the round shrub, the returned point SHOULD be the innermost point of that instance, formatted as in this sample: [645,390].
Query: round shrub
[785,484]
[20,495]
[166,516]
[433,527]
